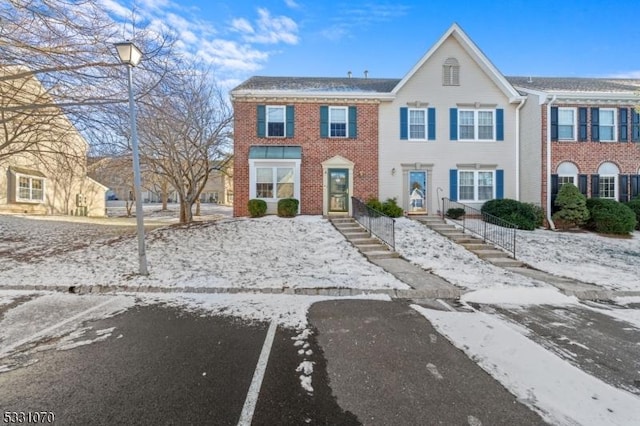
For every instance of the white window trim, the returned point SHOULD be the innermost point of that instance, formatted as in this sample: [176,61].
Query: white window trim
[575,124]
[284,117]
[615,124]
[346,116]
[271,164]
[426,124]
[31,178]
[615,187]
[574,177]
[475,186]
[476,124]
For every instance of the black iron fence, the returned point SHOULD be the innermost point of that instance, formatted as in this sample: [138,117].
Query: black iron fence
[377,223]
[488,227]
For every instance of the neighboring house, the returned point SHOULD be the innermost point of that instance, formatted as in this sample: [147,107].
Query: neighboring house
[580,130]
[43,158]
[313,139]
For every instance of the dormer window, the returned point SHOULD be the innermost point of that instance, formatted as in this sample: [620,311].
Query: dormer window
[451,72]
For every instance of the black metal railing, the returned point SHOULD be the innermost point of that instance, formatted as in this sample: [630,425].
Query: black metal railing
[488,227]
[376,223]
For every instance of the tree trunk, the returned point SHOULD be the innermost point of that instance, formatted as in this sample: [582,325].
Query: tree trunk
[185,211]
[165,197]
[198,207]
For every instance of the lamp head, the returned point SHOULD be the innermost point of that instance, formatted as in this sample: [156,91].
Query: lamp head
[129,53]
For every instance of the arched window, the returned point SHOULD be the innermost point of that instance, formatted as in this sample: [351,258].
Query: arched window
[451,72]
[608,181]
[567,173]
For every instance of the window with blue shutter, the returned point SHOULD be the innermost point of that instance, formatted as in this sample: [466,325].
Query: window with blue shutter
[453,124]
[623,188]
[554,123]
[404,123]
[499,184]
[431,123]
[261,114]
[582,124]
[499,124]
[353,122]
[595,126]
[635,126]
[324,121]
[290,120]
[595,186]
[623,135]
[453,184]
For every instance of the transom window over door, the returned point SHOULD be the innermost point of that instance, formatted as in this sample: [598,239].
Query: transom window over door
[566,124]
[338,122]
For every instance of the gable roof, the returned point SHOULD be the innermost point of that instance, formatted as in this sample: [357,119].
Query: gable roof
[576,88]
[315,86]
[475,53]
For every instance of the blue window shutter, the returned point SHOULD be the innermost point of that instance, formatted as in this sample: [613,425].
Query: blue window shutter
[624,125]
[453,124]
[635,126]
[290,121]
[582,124]
[554,123]
[431,124]
[453,184]
[582,184]
[353,122]
[623,184]
[499,184]
[500,124]
[554,192]
[635,186]
[595,126]
[404,123]
[261,120]
[324,121]
[595,186]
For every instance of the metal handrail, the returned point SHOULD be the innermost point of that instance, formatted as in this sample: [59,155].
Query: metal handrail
[375,222]
[488,227]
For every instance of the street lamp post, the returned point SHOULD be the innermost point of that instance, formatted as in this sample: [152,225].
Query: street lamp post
[130,55]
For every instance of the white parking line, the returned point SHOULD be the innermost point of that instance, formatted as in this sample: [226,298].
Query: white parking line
[41,333]
[254,390]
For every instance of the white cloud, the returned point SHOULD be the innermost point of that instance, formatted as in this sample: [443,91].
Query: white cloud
[242,25]
[626,74]
[272,30]
[292,4]
[114,8]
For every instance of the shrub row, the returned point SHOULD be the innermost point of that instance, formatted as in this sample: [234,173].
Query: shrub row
[524,215]
[389,207]
[287,207]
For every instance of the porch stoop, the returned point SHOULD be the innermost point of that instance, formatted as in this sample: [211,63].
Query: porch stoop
[369,246]
[475,245]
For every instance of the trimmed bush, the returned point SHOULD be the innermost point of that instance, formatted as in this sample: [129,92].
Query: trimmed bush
[610,217]
[520,214]
[539,212]
[635,206]
[257,208]
[389,207]
[288,207]
[455,212]
[572,207]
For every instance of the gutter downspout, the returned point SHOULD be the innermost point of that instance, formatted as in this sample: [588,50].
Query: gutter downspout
[551,224]
[518,148]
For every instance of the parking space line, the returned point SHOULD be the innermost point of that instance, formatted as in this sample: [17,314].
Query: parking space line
[254,390]
[41,333]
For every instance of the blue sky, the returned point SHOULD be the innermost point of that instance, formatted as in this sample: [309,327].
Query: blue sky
[241,38]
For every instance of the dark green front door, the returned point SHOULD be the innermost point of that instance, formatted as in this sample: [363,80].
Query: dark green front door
[338,190]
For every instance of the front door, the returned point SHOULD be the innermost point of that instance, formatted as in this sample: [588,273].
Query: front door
[417,192]
[338,190]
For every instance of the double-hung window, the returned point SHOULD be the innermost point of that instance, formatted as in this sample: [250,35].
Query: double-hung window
[275,121]
[274,182]
[476,125]
[338,122]
[607,125]
[30,188]
[417,124]
[608,187]
[476,185]
[567,124]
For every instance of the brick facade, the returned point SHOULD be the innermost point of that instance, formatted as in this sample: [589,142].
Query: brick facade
[362,150]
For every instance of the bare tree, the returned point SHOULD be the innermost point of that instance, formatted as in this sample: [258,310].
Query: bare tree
[184,133]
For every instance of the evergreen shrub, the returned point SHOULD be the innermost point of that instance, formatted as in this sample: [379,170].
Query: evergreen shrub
[635,206]
[257,208]
[610,217]
[288,207]
[520,214]
[572,207]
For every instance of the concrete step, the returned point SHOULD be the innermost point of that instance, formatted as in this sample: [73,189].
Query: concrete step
[350,235]
[505,262]
[381,254]
[363,241]
[476,245]
[370,247]
[490,254]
